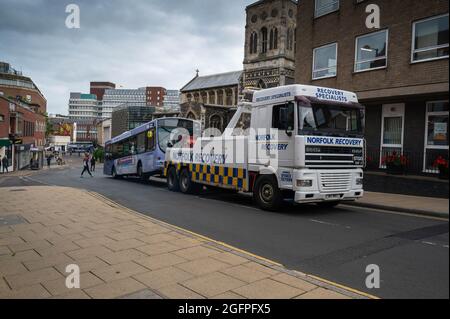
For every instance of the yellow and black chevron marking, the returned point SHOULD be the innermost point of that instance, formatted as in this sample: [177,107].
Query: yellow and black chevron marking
[216,175]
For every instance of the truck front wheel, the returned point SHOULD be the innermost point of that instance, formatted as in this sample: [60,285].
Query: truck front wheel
[172,180]
[267,194]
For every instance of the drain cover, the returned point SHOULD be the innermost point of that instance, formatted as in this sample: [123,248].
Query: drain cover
[10,220]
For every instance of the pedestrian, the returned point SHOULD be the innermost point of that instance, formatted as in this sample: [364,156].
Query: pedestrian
[49,161]
[86,166]
[5,164]
[93,163]
[0,163]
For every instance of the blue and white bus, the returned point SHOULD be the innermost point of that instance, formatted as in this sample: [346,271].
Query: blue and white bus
[141,151]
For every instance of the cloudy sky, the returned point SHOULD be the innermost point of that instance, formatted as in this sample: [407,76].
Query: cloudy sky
[133,43]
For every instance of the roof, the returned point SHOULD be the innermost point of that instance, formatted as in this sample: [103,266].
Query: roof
[213,81]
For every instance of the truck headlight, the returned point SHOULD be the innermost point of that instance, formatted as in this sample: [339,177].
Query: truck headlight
[304,183]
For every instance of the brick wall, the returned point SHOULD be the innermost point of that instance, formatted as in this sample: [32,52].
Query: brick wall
[348,23]
[36,97]
[4,125]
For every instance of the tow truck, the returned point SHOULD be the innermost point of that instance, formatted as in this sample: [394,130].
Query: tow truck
[298,142]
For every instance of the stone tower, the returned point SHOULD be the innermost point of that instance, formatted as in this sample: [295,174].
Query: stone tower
[270,43]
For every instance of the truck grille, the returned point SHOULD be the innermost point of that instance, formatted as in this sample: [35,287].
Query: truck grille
[323,157]
[336,182]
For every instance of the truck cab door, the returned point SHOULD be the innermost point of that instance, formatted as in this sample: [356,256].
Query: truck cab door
[283,127]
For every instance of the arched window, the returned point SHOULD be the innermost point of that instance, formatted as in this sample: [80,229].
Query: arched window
[215,121]
[253,43]
[191,116]
[290,39]
[273,39]
[262,84]
[264,40]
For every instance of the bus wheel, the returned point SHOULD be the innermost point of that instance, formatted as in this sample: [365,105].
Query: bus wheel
[267,194]
[187,186]
[140,173]
[114,174]
[172,180]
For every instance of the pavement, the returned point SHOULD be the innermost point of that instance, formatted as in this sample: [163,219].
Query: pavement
[124,254]
[427,206]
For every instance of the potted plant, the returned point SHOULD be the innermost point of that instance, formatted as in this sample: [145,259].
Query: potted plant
[395,163]
[442,164]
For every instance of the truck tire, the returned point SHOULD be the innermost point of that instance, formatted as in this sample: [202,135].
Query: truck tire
[187,186]
[267,194]
[173,183]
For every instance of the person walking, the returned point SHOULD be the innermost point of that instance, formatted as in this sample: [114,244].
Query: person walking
[49,161]
[86,166]
[5,164]
[93,161]
[1,164]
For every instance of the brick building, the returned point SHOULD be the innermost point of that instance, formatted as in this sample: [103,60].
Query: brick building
[399,71]
[155,96]
[22,117]
[22,130]
[99,88]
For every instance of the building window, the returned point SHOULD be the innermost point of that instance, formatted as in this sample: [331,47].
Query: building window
[325,61]
[2,118]
[273,45]
[392,129]
[324,7]
[264,40]
[436,134]
[289,39]
[430,39]
[371,51]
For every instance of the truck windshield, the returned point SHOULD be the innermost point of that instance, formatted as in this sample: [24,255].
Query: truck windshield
[321,119]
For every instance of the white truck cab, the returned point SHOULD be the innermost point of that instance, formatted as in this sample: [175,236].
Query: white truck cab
[300,142]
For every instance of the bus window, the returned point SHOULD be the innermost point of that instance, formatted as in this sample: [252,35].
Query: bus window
[140,143]
[151,140]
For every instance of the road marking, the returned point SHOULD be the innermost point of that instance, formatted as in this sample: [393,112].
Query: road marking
[429,243]
[329,224]
[391,212]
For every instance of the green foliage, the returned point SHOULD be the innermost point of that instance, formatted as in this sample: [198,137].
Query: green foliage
[99,155]
[48,126]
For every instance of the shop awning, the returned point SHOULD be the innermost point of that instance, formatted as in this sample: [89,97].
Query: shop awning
[4,143]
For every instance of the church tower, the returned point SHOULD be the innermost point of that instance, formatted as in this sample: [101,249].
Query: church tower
[270,43]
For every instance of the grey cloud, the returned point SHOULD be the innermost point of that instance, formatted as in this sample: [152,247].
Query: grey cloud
[131,42]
